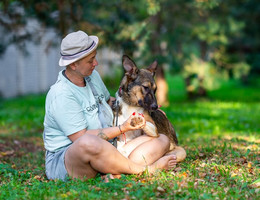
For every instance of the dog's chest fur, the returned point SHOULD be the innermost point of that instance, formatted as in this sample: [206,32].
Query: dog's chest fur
[126,111]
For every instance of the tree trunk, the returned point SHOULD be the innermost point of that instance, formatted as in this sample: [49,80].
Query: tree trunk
[162,85]
[201,91]
[190,91]
[203,53]
[62,18]
[162,88]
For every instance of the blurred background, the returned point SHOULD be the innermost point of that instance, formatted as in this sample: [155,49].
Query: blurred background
[200,45]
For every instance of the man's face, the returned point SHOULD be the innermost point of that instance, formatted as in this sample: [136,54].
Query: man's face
[86,65]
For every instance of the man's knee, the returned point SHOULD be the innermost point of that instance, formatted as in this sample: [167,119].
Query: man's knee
[90,144]
[165,141]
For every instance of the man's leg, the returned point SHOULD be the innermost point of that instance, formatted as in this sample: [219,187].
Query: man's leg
[147,150]
[91,154]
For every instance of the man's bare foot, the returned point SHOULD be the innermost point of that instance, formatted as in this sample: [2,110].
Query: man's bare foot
[165,162]
[179,152]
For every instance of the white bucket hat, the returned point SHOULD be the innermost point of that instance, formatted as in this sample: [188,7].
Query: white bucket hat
[75,46]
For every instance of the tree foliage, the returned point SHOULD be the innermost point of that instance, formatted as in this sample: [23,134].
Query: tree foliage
[213,38]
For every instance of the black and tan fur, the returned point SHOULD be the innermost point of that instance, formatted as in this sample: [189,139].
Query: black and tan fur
[137,94]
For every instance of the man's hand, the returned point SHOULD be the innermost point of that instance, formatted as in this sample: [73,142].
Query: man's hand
[134,122]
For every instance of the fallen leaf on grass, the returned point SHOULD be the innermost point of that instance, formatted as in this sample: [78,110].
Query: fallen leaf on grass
[129,185]
[177,169]
[37,177]
[182,184]
[173,173]
[7,153]
[226,189]
[215,168]
[253,147]
[17,142]
[241,160]
[142,181]
[126,198]
[184,174]
[250,170]
[107,177]
[97,188]
[160,189]
[201,155]
[233,174]
[249,164]
[202,175]
[199,180]
[64,195]
[203,164]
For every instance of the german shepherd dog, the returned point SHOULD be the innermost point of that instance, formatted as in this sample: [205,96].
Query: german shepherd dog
[137,94]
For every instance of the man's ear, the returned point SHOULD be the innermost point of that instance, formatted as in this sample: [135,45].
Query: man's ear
[152,68]
[130,68]
[72,66]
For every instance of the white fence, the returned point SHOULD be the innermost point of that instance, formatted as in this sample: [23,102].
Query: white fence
[35,71]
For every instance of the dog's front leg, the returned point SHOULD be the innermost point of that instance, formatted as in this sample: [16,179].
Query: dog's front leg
[150,128]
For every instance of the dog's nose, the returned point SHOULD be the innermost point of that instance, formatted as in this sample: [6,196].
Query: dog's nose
[154,106]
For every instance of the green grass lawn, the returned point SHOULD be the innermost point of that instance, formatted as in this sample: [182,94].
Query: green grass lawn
[221,135]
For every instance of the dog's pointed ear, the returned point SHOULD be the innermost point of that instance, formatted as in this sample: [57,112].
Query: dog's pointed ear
[130,67]
[152,68]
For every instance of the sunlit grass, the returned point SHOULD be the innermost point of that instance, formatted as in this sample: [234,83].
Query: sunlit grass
[215,118]
[221,137]
[22,115]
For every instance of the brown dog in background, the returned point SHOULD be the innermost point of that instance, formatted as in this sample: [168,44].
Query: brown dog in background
[136,94]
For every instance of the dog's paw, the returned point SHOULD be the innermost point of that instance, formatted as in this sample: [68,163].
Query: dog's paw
[136,121]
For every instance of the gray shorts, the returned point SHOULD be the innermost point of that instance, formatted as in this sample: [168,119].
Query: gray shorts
[55,164]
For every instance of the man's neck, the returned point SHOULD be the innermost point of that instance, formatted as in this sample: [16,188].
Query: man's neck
[75,78]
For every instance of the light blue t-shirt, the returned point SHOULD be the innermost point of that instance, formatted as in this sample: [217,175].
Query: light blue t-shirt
[70,108]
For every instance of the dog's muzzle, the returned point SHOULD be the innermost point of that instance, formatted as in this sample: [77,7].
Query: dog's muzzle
[154,106]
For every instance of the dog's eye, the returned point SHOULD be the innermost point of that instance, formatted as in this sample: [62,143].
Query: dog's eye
[145,88]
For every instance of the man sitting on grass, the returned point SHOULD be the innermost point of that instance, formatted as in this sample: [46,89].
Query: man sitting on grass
[75,140]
